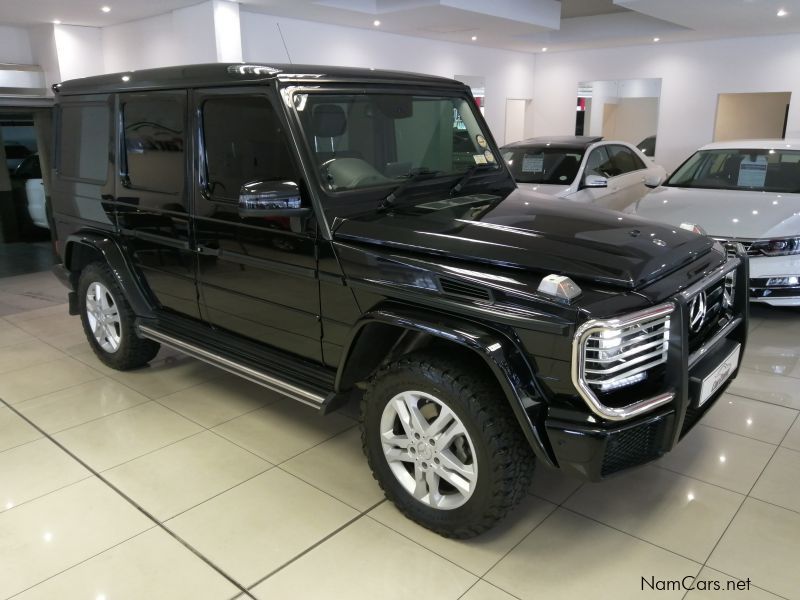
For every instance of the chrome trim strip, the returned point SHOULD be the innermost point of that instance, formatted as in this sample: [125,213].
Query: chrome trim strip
[710,343]
[712,278]
[578,379]
[267,381]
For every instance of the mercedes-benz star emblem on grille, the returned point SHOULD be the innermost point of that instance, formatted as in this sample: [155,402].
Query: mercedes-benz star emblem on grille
[697,312]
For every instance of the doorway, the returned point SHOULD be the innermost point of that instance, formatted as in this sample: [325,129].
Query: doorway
[751,116]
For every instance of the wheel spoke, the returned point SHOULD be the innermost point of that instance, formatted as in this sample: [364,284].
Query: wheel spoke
[417,420]
[445,417]
[397,454]
[403,416]
[432,479]
[456,473]
[451,433]
[421,486]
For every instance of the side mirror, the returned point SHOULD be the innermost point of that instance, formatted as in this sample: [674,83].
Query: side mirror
[271,199]
[595,181]
[653,181]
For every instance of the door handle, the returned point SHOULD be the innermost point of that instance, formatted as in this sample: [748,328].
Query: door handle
[207,250]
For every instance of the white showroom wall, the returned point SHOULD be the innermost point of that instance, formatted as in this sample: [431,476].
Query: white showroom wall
[507,74]
[693,74]
[15,45]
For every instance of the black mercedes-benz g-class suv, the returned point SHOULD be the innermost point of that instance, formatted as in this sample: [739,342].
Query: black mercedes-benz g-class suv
[338,234]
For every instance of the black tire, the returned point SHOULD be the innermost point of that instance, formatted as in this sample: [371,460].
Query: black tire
[132,352]
[503,457]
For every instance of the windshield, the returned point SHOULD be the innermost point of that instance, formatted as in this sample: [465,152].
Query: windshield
[366,140]
[740,169]
[534,164]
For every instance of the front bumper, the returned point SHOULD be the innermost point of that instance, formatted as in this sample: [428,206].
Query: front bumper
[595,448]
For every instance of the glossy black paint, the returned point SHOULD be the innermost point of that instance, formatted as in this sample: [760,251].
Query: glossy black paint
[343,286]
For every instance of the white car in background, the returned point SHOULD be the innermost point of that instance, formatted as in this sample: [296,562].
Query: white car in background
[30,171]
[583,169]
[747,191]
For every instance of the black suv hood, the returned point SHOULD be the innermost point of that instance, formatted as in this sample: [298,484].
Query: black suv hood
[530,231]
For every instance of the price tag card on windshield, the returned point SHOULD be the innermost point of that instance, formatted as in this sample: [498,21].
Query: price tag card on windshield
[533,163]
[753,173]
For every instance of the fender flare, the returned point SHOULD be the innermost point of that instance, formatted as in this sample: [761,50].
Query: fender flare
[498,350]
[123,271]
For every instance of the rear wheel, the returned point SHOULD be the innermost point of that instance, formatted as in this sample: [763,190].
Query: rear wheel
[108,321]
[443,444]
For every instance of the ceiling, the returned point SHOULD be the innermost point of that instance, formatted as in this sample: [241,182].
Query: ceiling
[523,25]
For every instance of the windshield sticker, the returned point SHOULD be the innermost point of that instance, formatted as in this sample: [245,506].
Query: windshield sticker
[479,159]
[753,173]
[481,141]
[489,156]
[533,163]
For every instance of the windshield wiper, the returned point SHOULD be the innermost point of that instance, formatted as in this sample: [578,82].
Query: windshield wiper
[468,175]
[413,176]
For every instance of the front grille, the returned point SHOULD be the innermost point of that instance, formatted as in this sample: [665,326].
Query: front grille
[718,311]
[730,246]
[616,357]
[631,447]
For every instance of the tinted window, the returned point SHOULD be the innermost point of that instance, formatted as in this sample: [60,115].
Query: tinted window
[154,143]
[83,141]
[540,164]
[29,168]
[244,142]
[624,160]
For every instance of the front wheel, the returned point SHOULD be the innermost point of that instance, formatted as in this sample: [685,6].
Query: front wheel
[443,444]
[108,321]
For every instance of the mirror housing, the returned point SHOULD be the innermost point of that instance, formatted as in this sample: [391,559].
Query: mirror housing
[595,181]
[653,181]
[271,199]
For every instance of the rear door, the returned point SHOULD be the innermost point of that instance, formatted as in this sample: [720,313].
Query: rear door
[257,274]
[152,196]
[629,179]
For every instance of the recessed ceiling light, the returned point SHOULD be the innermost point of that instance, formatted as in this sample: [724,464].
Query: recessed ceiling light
[376,23]
[56,22]
[474,38]
[656,39]
[544,49]
[126,78]
[782,12]
[105,8]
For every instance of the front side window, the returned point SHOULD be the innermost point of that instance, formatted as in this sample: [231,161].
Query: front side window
[364,140]
[542,164]
[154,132]
[83,142]
[599,163]
[766,170]
[244,142]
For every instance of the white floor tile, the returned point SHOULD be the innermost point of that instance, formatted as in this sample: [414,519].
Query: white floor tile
[26,354]
[553,485]
[14,430]
[367,561]
[780,481]
[486,591]
[669,510]
[184,474]
[152,566]
[762,543]
[35,469]
[40,379]
[259,525]
[123,436]
[784,391]
[720,458]
[752,418]
[50,534]
[713,585]
[569,557]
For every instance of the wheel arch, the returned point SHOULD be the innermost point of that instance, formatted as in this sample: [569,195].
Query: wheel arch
[86,247]
[392,331]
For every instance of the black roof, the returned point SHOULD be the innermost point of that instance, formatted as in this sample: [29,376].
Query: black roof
[225,74]
[564,141]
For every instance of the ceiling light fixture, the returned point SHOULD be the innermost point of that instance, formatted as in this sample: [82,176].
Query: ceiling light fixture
[782,12]
[656,39]
[56,22]
[474,38]
[544,49]
[105,9]
[376,23]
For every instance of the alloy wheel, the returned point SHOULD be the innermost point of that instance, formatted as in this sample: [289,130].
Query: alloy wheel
[103,316]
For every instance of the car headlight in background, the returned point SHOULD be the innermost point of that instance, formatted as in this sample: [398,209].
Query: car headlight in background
[777,247]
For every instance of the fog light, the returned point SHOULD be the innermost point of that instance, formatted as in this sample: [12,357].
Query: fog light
[782,281]
[621,383]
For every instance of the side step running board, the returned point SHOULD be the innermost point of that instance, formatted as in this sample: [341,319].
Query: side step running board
[264,379]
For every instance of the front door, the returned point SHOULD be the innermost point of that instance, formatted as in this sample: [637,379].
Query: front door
[256,274]
[152,196]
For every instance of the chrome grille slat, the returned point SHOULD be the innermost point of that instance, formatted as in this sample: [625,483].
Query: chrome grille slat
[627,374]
[633,351]
[625,364]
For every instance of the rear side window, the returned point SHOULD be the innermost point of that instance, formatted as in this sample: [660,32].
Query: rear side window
[244,142]
[83,142]
[624,160]
[154,132]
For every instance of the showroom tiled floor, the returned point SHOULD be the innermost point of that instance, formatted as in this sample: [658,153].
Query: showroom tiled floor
[180,481]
